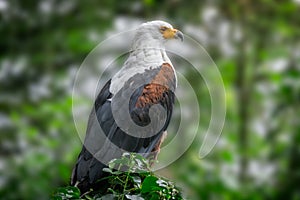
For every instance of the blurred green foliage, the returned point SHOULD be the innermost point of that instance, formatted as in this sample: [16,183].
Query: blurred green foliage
[255,45]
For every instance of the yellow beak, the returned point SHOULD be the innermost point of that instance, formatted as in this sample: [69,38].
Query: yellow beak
[173,33]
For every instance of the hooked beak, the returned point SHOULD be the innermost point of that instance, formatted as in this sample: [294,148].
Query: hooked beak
[179,35]
[171,33]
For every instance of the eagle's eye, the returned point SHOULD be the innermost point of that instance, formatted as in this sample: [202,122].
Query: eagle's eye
[163,28]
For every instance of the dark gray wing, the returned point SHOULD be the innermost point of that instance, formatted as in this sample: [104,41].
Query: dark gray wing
[88,168]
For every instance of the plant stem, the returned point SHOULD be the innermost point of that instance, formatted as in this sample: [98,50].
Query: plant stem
[127,175]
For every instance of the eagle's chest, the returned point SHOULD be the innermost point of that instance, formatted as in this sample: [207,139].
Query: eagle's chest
[145,65]
[165,77]
[161,73]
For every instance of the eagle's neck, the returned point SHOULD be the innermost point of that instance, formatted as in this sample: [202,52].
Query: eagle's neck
[146,54]
[145,40]
[149,53]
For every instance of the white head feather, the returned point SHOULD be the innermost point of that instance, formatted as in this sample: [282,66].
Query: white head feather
[148,34]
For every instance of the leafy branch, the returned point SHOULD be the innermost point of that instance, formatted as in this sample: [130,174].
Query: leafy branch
[130,178]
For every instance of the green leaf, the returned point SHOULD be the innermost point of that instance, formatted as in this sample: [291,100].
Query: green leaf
[162,183]
[107,197]
[68,192]
[134,197]
[148,184]
[107,170]
[137,180]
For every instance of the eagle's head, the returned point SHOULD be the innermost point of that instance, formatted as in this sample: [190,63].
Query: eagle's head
[158,31]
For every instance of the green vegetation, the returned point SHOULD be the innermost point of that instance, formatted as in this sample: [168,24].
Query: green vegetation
[136,182]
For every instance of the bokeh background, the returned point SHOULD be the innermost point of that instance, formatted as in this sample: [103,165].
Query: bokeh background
[255,45]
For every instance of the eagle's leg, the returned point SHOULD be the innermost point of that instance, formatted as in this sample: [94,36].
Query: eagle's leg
[155,151]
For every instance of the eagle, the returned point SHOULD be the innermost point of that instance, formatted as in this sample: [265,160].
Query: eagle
[146,79]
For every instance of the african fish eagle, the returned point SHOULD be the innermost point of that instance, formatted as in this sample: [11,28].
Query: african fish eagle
[150,68]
